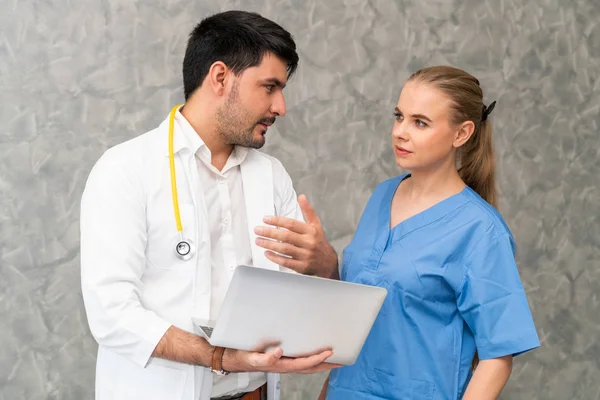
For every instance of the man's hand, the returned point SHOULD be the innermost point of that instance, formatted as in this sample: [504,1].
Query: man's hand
[301,246]
[272,361]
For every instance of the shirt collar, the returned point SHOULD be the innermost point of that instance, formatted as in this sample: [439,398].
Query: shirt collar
[189,138]
[192,140]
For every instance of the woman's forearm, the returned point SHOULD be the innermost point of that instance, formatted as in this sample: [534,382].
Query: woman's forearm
[489,379]
[323,393]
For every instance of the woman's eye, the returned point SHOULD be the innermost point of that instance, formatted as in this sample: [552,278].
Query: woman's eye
[420,123]
[398,116]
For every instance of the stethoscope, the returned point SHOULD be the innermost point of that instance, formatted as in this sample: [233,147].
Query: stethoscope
[184,247]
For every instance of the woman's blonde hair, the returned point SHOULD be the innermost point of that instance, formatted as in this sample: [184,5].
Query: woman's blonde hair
[476,165]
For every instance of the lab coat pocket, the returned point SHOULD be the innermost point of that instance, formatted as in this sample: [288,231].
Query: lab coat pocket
[155,382]
[163,238]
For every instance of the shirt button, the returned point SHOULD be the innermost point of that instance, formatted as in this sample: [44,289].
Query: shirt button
[226,220]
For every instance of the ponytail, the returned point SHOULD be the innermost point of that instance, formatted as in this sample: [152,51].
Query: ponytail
[477,166]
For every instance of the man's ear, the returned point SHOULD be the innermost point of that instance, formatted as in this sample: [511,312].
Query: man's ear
[217,77]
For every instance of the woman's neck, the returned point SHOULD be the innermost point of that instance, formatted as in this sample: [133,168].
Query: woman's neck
[434,184]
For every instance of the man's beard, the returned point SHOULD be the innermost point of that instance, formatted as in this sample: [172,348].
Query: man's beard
[234,125]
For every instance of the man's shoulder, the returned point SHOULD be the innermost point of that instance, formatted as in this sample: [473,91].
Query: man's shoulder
[129,159]
[136,149]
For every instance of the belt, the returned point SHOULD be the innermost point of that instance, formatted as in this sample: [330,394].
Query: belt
[258,394]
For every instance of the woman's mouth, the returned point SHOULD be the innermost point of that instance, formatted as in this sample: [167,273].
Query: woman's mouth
[401,151]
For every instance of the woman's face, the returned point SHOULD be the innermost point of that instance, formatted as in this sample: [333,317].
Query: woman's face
[423,136]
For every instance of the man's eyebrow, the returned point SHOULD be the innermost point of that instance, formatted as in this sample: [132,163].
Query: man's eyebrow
[275,81]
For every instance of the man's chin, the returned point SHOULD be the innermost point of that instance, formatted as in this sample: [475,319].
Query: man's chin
[258,138]
[255,143]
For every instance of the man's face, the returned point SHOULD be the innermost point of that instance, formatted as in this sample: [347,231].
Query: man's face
[254,100]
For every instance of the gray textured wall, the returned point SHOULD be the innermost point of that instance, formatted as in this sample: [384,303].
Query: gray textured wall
[79,76]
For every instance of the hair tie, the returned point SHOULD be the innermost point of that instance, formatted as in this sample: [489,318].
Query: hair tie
[487,110]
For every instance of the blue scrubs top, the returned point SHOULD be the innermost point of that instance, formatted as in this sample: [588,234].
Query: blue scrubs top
[453,288]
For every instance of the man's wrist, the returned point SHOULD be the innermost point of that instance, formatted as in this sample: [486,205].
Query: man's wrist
[217,361]
[208,355]
[231,362]
[334,273]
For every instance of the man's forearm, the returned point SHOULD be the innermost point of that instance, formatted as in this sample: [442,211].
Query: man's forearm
[181,346]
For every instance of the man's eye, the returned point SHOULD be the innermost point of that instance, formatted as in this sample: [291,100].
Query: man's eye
[270,87]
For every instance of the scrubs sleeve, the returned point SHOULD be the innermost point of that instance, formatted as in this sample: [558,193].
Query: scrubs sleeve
[492,300]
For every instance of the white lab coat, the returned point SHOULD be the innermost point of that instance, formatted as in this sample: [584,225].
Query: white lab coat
[133,286]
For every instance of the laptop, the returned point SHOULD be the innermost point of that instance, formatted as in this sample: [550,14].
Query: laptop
[301,314]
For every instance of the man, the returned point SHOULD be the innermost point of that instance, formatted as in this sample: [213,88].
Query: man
[141,297]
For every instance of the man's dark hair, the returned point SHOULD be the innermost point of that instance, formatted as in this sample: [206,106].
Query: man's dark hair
[239,39]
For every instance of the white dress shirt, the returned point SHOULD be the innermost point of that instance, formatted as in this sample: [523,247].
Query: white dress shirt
[229,240]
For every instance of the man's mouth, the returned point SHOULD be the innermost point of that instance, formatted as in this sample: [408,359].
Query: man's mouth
[266,123]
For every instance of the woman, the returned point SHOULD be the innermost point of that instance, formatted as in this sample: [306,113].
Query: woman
[435,241]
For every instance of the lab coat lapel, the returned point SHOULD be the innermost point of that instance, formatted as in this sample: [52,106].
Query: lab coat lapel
[198,230]
[257,178]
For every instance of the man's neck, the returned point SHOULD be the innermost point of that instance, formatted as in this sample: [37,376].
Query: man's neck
[202,120]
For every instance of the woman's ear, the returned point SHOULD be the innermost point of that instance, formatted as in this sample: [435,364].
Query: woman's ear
[464,133]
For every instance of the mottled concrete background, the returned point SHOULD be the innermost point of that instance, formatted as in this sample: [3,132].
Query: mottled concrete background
[78,76]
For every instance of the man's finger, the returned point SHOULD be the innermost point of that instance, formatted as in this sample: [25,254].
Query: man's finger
[310,216]
[284,249]
[266,359]
[300,364]
[316,359]
[296,265]
[284,236]
[287,223]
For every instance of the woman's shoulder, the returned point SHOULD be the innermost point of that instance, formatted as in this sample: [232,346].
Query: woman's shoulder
[484,224]
[487,214]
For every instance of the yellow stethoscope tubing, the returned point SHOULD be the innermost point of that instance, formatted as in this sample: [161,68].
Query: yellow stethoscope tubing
[172,169]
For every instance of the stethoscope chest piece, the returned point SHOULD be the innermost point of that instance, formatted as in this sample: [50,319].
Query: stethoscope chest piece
[184,249]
